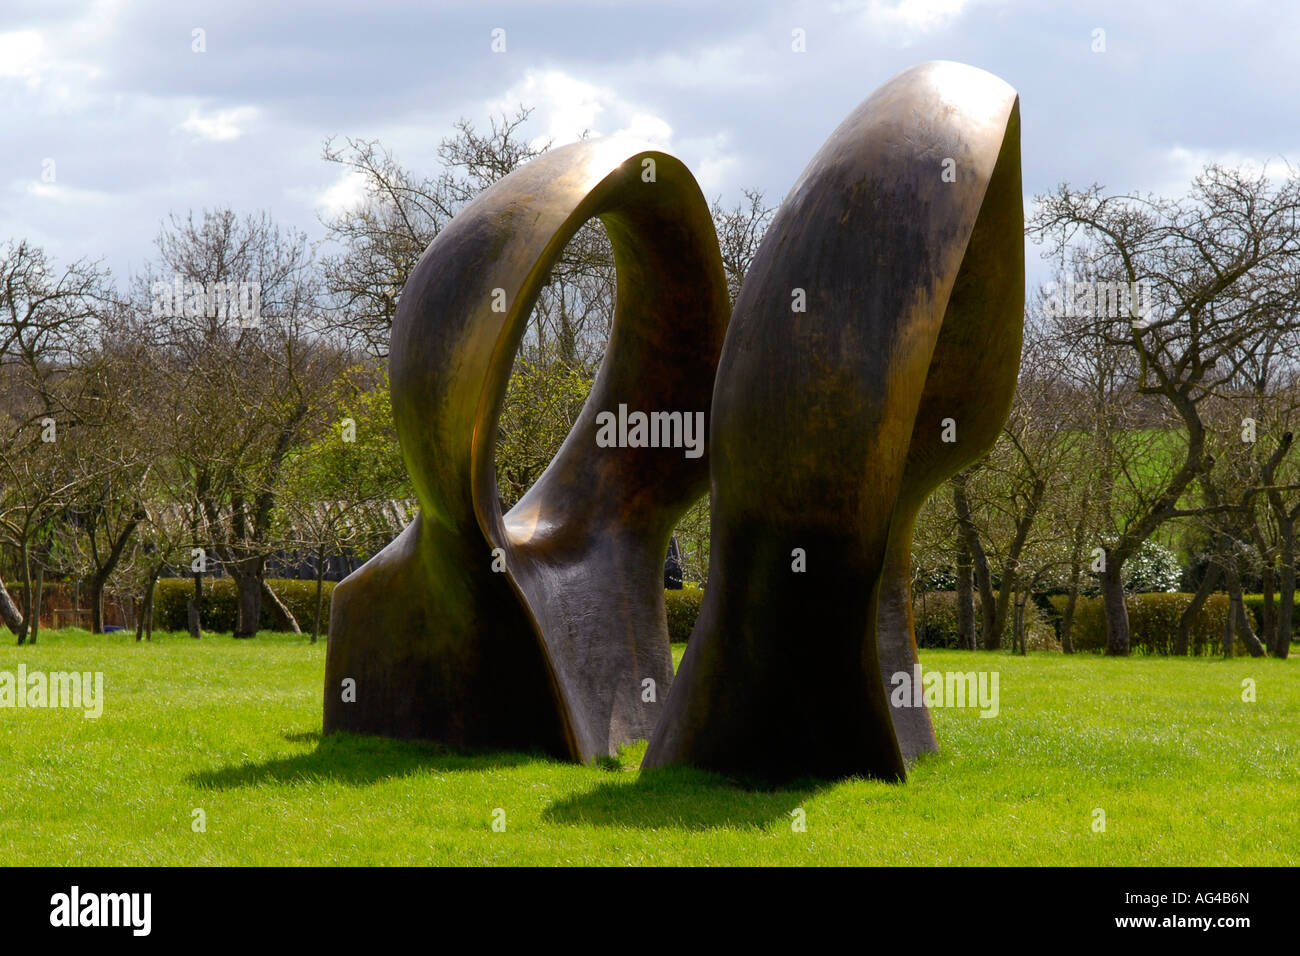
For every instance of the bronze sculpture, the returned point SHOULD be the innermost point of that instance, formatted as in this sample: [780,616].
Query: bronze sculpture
[539,628]
[904,240]
[884,304]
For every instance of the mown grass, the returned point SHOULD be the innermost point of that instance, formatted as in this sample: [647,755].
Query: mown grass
[1186,772]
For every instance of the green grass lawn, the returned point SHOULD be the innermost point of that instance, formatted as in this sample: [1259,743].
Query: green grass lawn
[1186,772]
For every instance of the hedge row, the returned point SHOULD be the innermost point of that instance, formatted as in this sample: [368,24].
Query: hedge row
[934,615]
[221,604]
[683,608]
[1153,618]
[1153,623]
[1256,604]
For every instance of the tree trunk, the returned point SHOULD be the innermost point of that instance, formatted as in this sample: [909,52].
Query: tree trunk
[1286,604]
[1182,642]
[145,624]
[100,578]
[1228,627]
[1021,598]
[320,595]
[36,605]
[281,609]
[250,603]
[988,603]
[1268,613]
[1287,585]
[965,597]
[1076,572]
[1238,619]
[1067,617]
[1253,643]
[96,605]
[194,609]
[148,606]
[10,616]
[1008,590]
[25,559]
[1118,642]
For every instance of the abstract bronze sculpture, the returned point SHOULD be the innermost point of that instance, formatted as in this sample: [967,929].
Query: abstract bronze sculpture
[540,628]
[880,317]
[903,240]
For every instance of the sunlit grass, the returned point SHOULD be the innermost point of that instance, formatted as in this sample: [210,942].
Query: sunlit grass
[1185,771]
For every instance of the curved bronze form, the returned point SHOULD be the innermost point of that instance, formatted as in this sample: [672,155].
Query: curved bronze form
[904,238]
[553,648]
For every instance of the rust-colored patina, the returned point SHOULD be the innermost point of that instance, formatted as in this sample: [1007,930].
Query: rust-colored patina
[552,651]
[904,237]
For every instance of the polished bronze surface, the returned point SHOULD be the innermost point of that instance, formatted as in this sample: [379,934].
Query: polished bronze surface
[904,239]
[554,649]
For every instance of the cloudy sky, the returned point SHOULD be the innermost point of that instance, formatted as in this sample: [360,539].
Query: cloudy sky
[109,118]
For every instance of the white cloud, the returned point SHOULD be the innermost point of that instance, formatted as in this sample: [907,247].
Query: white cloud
[716,68]
[648,127]
[906,16]
[21,53]
[57,192]
[1183,164]
[347,192]
[219,126]
[52,83]
[566,107]
[1174,168]
[713,163]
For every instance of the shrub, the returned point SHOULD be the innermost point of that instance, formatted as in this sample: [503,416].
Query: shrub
[1152,569]
[934,615]
[683,608]
[1153,622]
[1255,602]
[220,604]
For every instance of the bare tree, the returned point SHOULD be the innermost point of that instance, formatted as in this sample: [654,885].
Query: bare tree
[247,385]
[48,318]
[1217,269]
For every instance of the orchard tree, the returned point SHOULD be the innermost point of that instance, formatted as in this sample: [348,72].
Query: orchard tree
[341,490]
[1186,286]
[252,376]
[48,319]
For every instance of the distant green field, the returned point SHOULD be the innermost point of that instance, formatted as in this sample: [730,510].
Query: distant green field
[1184,770]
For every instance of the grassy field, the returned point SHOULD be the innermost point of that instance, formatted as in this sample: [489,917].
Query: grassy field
[1185,771]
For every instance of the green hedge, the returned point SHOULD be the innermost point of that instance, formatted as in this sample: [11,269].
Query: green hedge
[934,615]
[1256,604]
[220,603]
[683,608]
[1153,618]
[1153,622]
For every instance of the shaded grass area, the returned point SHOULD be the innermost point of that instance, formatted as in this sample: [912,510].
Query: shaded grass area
[1185,771]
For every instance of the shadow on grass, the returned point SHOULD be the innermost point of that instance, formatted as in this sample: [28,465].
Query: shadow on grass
[681,798]
[350,759]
